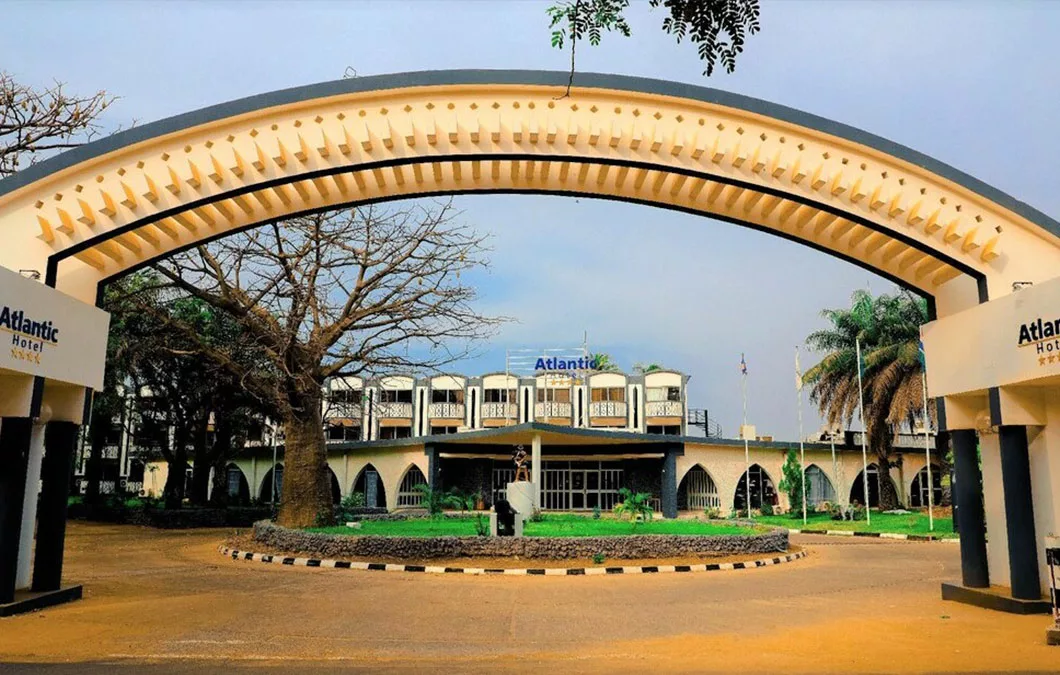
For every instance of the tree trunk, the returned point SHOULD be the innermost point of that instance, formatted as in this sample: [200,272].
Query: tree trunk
[200,472]
[888,494]
[178,466]
[306,497]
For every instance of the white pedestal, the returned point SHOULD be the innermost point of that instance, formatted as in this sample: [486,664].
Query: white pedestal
[519,520]
[521,497]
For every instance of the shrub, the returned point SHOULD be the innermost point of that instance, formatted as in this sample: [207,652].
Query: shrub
[435,500]
[596,513]
[791,482]
[635,505]
[712,513]
[766,510]
[598,559]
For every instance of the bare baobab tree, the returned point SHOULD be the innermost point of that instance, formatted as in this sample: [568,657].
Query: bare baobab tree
[35,122]
[366,290]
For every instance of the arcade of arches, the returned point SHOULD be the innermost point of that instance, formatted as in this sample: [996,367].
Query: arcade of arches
[93,213]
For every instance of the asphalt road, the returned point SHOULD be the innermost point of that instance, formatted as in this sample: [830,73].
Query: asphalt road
[167,602]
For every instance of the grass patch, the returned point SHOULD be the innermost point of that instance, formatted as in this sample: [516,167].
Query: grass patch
[559,525]
[913,523]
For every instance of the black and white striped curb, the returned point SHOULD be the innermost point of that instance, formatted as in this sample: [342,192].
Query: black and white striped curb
[877,535]
[540,571]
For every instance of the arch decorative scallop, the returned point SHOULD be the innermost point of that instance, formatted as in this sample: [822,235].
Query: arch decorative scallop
[111,206]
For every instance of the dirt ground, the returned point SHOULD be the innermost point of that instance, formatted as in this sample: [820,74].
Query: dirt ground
[168,602]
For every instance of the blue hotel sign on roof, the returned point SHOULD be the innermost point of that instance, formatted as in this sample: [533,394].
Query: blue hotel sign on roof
[554,363]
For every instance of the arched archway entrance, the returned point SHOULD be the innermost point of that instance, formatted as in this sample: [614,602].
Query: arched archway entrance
[818,487]
[97,212]
[236,485]
[267,492]
[336,489]
[918,490]
[857,489]
[408,496]
[762,490]
[370,486]
[697,491]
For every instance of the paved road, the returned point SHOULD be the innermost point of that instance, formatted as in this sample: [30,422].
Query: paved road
[167,602]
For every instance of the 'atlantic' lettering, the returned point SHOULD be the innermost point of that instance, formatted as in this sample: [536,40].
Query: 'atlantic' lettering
[17,322]
[552,363]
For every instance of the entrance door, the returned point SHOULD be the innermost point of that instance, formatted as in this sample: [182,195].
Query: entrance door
[577,489]
[371,488]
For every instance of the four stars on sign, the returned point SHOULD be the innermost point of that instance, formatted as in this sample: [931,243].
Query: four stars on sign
[23,355]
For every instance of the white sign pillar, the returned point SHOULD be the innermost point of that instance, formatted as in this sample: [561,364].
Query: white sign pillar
[29,507]
[535,469]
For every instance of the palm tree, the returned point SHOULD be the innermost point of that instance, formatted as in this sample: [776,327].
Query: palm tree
[604,362]
[888,328]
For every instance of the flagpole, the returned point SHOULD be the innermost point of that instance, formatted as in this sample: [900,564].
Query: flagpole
[743,432]
[864,437]
[802,448]
[835,467]
[927,455]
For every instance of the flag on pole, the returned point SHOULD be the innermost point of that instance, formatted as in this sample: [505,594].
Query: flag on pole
[798,371]
[743,365]
[920,355]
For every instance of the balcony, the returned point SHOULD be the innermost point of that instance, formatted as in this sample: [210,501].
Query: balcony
[446,411]
[553,409]
[396,410]
[338,410]
[664,409]
[495,411]
[607,409]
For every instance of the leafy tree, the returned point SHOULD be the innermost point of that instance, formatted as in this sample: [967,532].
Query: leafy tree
[635,506]
[791,482]
[718,28]
[351,292]
[38,121]
[888,328]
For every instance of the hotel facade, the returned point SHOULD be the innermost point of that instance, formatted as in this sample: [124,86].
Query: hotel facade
[595,433]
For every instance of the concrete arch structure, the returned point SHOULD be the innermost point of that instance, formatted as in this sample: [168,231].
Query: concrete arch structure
[99,211]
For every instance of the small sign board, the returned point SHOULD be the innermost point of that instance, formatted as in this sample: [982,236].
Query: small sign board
[49,334]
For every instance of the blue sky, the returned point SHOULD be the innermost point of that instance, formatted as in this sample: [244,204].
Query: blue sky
[945,78]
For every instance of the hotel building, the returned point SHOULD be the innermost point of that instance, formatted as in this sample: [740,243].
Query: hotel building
[596,433]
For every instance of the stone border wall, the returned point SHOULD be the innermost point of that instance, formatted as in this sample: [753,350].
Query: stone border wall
[555,548]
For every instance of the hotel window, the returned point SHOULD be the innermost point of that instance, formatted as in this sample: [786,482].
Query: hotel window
[553,395]
[664,394]
[608,394]
[667,430]
[391,433]
[441,431]
[447,396]
[499,396]
[338,432]
[345,395]
[395,396]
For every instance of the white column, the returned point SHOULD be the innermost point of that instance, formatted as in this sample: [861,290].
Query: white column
[535,469]
[29,506]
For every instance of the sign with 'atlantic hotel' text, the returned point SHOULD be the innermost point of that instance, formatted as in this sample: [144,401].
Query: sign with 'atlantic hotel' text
[48,334]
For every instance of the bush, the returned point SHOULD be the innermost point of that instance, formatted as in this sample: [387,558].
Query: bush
[596,513]
[712,513]
[791,482]
[635,505]
[767,509]
[598,559]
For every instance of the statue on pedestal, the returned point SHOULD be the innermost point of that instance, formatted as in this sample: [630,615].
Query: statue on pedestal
[522,470]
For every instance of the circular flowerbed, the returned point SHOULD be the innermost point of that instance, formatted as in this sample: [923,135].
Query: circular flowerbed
[623,542]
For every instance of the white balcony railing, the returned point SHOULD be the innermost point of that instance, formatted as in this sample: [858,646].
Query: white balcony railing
[552,410]
[388,409]
[607,409]
[664,409]
[448,411]
[495,411]
[336,410]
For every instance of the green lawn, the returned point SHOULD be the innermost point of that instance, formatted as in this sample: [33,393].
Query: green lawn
[559,525]
[914,523]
